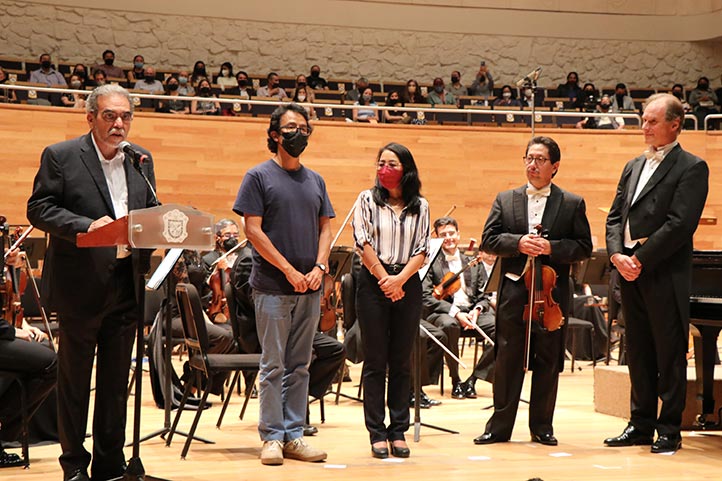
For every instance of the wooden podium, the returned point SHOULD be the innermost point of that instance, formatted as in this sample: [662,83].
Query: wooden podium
[162,227]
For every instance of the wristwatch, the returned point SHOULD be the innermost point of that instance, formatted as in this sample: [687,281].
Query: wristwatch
[321,266]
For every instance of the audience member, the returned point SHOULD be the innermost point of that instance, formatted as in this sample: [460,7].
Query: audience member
[272,88]
[439,94]
[302,83]
[69,99]
[245,88]
[149,83]
[199,73]
[457,88]
[226,78]
[99,78]
[678,91]
[302,94]
[46,74]
[608,122]
[108,68]
[137,72]
[703,101]
[366,114]
[205,107]
[570,89]
[395,116]
[526,99]
[315,81]
[173,106]
[588,99]
[355,94]
[6,95]
[411,93]
[507,99]
[185,88]
[622,100]
[483,84]
[82,72]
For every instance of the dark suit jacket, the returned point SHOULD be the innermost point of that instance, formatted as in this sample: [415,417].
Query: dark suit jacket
[474,279]
[70,192]
[666,213]
[569,234]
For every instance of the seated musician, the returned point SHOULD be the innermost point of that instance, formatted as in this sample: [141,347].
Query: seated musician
[227,232]
[328,353]
[22,353]
[460,310]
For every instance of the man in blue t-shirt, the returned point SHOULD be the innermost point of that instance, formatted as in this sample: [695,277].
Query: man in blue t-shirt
[287,216]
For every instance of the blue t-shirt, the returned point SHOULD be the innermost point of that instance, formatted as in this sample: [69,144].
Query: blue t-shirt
[291,203]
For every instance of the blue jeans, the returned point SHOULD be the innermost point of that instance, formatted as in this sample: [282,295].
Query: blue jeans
[286,325]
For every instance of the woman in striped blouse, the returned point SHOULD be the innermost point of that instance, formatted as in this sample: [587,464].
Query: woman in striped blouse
[391,229]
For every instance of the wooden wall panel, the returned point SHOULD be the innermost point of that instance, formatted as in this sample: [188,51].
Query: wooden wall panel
[201,161]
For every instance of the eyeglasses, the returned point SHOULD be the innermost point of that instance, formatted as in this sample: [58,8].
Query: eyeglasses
[539,161]
[111,116]
[392,165]
[293,128]
[230,235]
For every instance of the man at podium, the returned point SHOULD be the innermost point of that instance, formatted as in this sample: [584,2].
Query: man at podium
[83,184]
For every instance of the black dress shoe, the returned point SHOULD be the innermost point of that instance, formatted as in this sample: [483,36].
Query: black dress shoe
[423,403]
[489,438]
[470,389]
[380,453]
[546,439]
[631,436]
[457,392]
[309,430]
[431,402]
[400,451]
[10,460]
[667,443]
[78,475]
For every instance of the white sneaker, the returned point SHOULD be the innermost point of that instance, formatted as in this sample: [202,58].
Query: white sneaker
[272,452]
[301,450]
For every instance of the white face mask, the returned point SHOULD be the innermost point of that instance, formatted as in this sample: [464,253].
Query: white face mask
[527,92]
[224,72]
[301,97]
[506,95]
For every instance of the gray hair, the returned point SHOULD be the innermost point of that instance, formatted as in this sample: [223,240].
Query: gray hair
[674,108]
[222,224]
[91,104]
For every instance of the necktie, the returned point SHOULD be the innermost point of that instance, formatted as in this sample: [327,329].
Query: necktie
[655,155]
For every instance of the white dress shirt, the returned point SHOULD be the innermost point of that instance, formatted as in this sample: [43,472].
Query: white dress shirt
[460,297]
[536,203]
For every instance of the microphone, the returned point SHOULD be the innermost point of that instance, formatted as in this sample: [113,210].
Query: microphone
[138,159]
[531,77]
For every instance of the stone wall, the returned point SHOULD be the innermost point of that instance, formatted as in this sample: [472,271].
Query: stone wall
[73,34]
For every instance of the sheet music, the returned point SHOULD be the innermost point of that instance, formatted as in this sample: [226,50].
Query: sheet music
[164,268]
[434,249]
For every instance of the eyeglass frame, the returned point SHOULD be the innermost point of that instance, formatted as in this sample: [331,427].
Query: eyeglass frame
[538,161]
[125,116]
[292,128]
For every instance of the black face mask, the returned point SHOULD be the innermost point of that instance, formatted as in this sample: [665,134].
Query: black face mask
[149,80]
[172,87]
[301,84]
[454,79]
[604,107]
[229,244]
[45,64]
[678,95]
[205,90]
[315,74]
[109,61]
[294,143]
[703,86]
[242,83]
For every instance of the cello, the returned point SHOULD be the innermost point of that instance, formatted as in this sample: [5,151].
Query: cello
[541,307]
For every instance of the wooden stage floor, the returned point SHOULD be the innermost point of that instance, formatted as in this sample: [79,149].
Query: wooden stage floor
[579,456]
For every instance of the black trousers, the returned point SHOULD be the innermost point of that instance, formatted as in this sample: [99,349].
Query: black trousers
[388,332]
[430,356]
[37,365]
[328,357]
[656,342]
[112,332]
[545,362]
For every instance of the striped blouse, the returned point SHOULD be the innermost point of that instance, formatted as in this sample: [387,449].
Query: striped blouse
[395,239]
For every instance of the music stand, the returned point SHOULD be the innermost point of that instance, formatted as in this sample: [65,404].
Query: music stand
[163,227]
[595,270]
[434,249]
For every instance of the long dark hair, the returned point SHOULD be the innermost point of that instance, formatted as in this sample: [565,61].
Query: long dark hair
[410,182]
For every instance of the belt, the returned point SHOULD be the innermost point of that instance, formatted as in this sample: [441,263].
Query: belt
[394,269]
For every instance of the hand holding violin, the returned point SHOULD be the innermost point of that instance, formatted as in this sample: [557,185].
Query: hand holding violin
[14,258]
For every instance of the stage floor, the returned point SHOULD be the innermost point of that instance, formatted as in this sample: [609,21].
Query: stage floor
[580,454]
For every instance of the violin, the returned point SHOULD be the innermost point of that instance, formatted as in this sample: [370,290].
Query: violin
[541,308]
[217,281]
[328,306]
[14,280]
[451,282]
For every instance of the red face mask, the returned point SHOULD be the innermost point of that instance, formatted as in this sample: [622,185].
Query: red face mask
[389,178]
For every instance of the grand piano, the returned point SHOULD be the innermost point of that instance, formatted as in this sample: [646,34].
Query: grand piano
[706,315]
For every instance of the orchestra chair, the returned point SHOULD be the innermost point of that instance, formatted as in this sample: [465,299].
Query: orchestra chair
[7,378]
[207,365]
[574,324]
[352,333]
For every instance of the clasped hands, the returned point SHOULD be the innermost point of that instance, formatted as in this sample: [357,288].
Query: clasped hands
[534,245]
[304,282]
[628,267]
[392,287]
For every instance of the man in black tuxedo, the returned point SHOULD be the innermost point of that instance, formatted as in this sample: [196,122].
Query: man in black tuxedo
[460,310]
[513,215]
[83,184]
[659,201]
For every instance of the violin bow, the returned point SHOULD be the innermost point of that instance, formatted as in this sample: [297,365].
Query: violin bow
[441,345]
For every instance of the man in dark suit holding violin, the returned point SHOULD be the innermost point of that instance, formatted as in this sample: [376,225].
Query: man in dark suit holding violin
[565,239]
[657,208]
[460,309]
[83,184]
